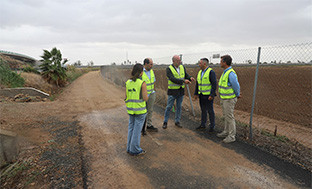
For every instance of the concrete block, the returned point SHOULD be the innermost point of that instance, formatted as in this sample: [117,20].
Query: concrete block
[11,92]
[8,147]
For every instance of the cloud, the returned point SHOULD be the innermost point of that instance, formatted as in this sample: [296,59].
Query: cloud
[150,26]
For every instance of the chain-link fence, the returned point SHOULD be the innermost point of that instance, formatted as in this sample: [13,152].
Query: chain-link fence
[282,99]
[282,105]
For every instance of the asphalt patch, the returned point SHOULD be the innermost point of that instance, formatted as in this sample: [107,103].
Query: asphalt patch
[294,173]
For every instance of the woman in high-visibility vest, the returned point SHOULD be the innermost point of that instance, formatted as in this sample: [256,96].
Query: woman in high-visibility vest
[136,97]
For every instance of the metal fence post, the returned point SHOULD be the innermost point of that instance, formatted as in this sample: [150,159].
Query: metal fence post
[254,93]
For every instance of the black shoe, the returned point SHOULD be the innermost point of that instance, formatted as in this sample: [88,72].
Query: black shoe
[151,128]
[178,124]
[211,130]
[201,127]
[164,125]
[143,132]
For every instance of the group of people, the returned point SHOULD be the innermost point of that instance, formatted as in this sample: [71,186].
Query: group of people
[141,95]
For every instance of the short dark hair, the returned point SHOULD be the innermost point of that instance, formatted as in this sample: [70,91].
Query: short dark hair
[205,60]
[146,61]
[227,59]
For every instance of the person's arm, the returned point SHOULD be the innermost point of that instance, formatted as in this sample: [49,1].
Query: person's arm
[196,89]
[172,78]
[213,81]
[187,76]
[154,81]
[125,92]
[234,83]
[144,92]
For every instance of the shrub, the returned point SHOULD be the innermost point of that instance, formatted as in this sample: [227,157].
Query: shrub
[9,78]
[30,69]
[52,67]
[73,73]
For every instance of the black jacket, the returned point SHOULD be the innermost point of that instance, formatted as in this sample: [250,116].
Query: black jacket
[176,92]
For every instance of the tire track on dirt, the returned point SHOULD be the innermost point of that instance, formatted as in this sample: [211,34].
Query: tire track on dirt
[185,159]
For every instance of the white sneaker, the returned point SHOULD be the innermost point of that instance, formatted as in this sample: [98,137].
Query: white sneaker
[222,134]
[229,139]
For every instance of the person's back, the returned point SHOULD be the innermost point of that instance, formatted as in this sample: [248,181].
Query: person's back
[136,97]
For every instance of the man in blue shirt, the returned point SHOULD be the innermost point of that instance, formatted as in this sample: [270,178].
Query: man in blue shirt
[150,79]
[229,91]
[205,90]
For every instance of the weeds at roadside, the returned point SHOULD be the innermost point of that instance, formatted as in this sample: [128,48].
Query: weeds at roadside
[278,145]
[277,137]
[52,97]
[13,171]
[9,78]
[30,69]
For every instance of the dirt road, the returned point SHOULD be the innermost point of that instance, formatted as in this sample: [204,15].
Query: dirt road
[175,158]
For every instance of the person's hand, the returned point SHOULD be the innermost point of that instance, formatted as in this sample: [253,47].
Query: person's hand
[210,98]
[187,81]
[196,97]
[192,79]
[240,95]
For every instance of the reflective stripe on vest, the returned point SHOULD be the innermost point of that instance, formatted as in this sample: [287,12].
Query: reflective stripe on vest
[134,104]
[149,82]
[172,85]
[204,85]
[225,91]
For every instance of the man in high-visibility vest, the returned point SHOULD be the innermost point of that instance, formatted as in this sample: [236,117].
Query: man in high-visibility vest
[205,90]
[229,91]
[177,78]
[150,79]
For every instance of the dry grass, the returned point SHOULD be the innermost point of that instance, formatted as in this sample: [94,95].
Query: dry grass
[36,81]
[13,63]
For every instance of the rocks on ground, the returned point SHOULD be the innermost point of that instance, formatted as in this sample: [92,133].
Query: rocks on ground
[22,98]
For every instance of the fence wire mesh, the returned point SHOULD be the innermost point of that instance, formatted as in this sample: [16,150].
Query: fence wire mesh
[284,92]
[283,105]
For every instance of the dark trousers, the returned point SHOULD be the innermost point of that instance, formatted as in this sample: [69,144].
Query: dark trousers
[206,106]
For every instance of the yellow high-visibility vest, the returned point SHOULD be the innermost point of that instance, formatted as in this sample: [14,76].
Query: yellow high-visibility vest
[172,85]
[134,104]
[226,92]
[204,85]
[149,82]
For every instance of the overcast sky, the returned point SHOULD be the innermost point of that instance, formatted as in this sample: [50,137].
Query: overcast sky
[106,31]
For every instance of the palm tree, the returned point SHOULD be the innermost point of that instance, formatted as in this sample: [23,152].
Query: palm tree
[52,66]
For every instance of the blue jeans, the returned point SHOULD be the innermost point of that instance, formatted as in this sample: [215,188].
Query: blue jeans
[134,133]
[170,103]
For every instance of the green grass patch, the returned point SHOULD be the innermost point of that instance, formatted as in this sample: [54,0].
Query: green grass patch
[73,75]
[30,69]
[8,78]
[52,97]
[277,137]
[15,169]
